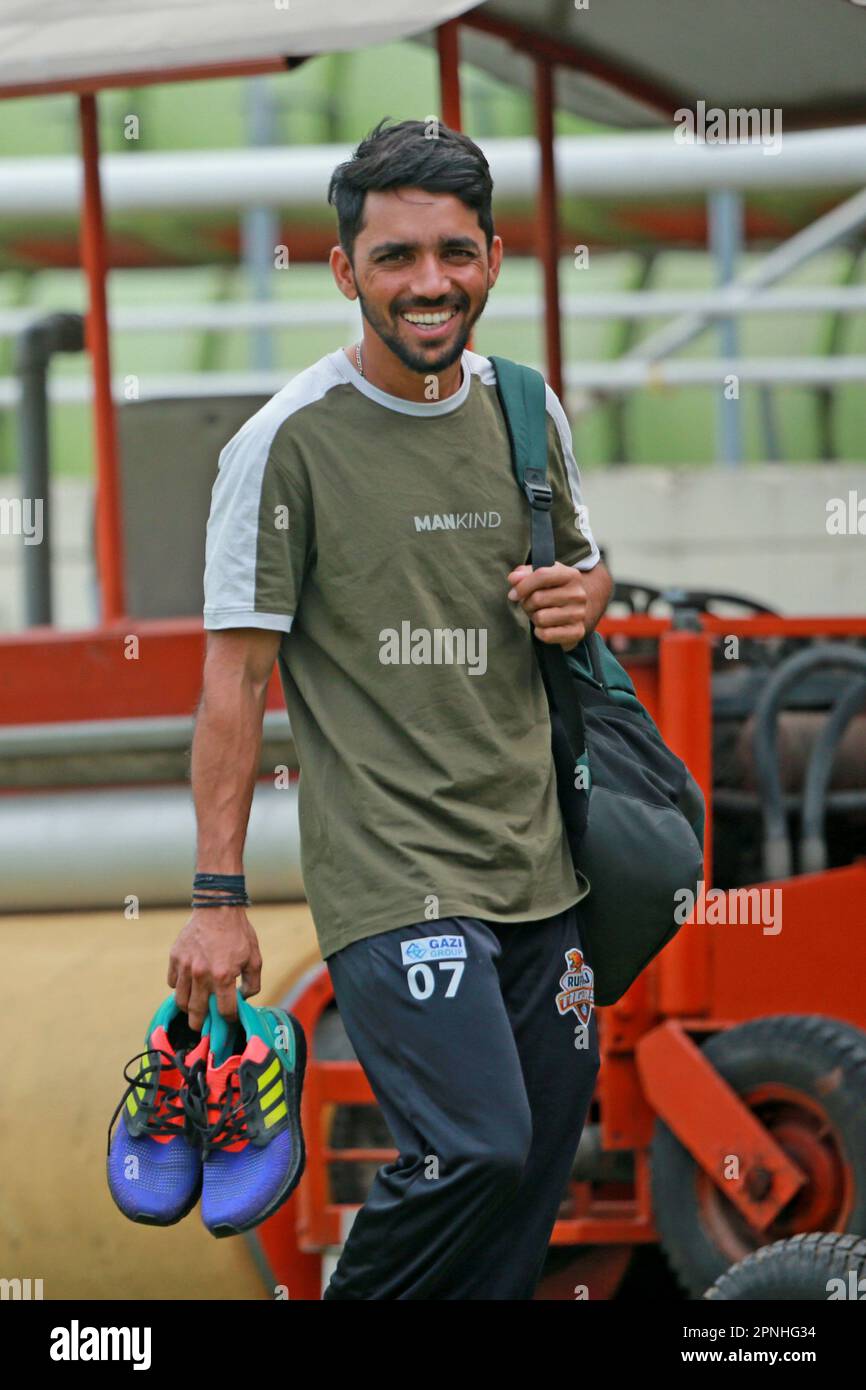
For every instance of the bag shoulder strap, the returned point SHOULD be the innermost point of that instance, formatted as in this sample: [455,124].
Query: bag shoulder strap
[522,396]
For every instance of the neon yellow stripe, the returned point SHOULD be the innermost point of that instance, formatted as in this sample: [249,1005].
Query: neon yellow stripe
[272,1095]
[276,1114]
[267,1076]
[132,1104]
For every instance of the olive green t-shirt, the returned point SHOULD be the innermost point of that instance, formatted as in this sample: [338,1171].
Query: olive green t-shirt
[376,534]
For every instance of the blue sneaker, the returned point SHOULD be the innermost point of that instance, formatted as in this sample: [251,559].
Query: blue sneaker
[249,1116]
[154,1157]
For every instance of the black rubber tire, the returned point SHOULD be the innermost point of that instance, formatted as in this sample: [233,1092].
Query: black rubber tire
[797,1270]
[352,1126]
[331,1042]
[795,1050]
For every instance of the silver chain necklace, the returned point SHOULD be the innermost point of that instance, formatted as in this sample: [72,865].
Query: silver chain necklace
[358,358]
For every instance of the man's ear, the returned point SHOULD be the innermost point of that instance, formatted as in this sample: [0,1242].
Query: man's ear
[343,272]
[494,258]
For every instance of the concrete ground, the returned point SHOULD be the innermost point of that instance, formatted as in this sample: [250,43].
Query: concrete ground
[76,996]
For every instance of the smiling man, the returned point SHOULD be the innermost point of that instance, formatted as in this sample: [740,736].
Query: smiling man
[367,533]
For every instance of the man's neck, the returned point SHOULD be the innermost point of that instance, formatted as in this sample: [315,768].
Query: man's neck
[385,371]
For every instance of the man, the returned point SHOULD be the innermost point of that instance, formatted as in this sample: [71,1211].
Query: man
[367,532]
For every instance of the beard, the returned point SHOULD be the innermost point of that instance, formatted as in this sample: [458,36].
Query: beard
[419,360]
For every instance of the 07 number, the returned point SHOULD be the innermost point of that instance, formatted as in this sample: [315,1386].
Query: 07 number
[422,981]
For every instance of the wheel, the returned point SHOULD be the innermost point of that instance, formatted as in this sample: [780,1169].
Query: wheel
[804,1077]
[356,1127]
[801,1268]
[350,1126]
[704,599]
[636,597]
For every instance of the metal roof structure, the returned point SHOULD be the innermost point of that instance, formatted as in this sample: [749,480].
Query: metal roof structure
[622,62]
[79,45]
[636,62]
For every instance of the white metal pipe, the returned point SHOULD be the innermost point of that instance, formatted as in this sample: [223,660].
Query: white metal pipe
[623,373]
[629,373]
[644,304]
[160,318]
[586,166]
[101,848]
[161,732]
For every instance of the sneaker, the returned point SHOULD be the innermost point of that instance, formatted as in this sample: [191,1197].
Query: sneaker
[249,1116]
[154,1157]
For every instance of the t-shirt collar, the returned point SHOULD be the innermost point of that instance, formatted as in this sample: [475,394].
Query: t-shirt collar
[350,373]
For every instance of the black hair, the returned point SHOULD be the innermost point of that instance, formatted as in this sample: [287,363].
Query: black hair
[411,154]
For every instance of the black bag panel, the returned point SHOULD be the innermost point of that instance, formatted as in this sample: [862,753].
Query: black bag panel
[629,755]
[637,838]
[573,803]
[636,856]
[637,834]
[694,807]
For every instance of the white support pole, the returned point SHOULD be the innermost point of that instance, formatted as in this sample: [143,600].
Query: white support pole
[725,226]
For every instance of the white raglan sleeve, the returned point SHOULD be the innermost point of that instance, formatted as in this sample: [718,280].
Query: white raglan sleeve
[256,546]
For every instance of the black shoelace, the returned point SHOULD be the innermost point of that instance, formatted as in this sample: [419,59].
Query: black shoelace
[230,1123]
[169,1103]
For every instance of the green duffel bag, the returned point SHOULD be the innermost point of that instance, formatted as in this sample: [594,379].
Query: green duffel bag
[633,813]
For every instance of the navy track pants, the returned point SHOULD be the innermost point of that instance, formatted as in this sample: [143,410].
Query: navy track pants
[480,1043]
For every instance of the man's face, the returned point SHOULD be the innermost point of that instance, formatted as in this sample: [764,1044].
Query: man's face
[420,255]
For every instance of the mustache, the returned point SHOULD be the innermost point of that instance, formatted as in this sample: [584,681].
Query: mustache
[428,308]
